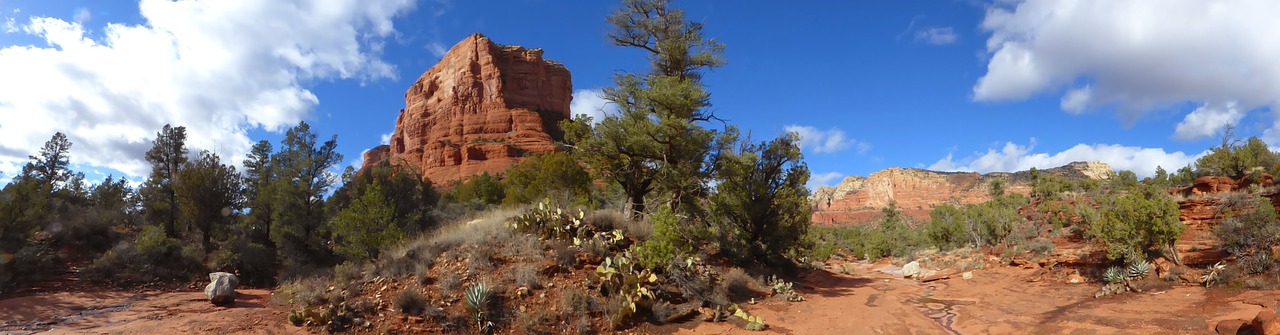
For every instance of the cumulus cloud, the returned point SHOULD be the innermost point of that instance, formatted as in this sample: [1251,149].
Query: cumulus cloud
[1208,120]
[825,141]
[385,138]
[591,103]
[1016,157]
[823,180]
[219,68]
[936,36]
[1136,56]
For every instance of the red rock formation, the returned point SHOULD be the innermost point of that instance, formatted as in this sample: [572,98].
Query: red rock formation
[1200,208]
[858,200]
[481,109]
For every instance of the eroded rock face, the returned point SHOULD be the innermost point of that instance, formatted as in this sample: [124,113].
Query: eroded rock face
[1200,209]
[481,109]
[858,200]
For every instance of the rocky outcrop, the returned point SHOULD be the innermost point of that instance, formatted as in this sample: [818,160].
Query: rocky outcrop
[222,288]
[1200,209]
[858,200]
[481,109]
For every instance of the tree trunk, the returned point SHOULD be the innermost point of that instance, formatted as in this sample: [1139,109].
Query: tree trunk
[636,201]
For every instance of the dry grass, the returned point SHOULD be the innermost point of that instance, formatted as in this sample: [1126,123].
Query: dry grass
[740,285]
[526,275]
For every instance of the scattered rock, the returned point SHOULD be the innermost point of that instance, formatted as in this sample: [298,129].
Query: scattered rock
[222,288]
[967,275]
[1075,278]
[1162,267]
[1266,323]
[911,269]
[1233,327]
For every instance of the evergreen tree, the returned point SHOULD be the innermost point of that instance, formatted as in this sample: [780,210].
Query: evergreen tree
[367,225]
[302,179]
[51,169]
[208,194]
[167,155]
[542,176]
[259,175]
[655,141]
[762,196]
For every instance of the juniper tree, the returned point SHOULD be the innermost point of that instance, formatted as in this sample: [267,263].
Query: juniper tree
[656,141]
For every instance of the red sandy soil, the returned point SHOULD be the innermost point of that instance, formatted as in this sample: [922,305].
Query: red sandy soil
[995,301]
[143,313]
[868,300]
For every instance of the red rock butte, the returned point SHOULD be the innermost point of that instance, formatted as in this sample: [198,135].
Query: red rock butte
[858,200]
[481,109]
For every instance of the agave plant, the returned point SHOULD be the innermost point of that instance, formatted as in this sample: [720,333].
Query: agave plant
[478,298]
[1139,269]
[1113,275]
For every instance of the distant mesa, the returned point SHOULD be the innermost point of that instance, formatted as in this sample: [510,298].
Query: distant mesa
[858,200]
[482,108]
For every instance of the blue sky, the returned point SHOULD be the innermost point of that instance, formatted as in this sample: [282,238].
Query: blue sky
[949,85]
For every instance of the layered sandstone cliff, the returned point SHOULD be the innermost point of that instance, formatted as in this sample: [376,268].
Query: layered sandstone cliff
[858,200]
[481,109]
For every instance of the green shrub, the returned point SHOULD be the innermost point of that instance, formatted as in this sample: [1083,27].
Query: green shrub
[253,263]
[1136,223]
[1249,230]
[665,244]
[150,257]
[555,176]
[484,188]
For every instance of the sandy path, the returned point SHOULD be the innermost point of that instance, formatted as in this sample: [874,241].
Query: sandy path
[994,301]
[144,313]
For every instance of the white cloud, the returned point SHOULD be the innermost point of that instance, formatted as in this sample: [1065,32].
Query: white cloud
[591,103]
[937,36]
[83,15]
[385,138]
[437,49]
[1208,120]
[1134,55]
[823,180]
[1014,157]
[825,141]
[219,68]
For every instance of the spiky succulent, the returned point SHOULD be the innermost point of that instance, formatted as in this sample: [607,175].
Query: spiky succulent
[1139,269]
[478,297]
[1113,275]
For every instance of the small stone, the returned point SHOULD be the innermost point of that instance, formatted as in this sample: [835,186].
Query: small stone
[1075,279]
[911,270]
[967,275]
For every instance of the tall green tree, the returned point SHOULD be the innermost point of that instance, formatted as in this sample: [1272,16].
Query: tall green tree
[367,225]
[51,168]
[655,141]
[167,155]
[259,175]
[763,198]
[208,195]
[302,179]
